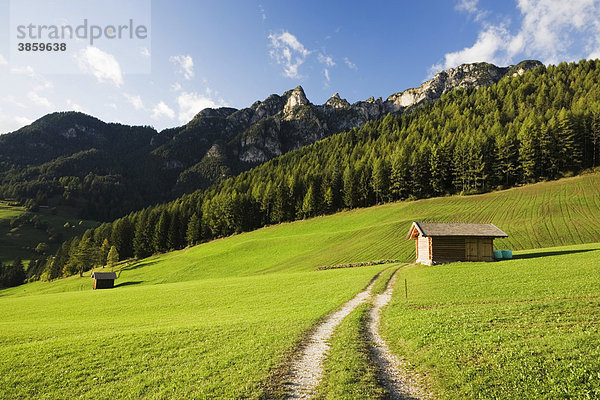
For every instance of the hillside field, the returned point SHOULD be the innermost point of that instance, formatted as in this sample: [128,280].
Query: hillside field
[22,239]
[527,328]
[214,321]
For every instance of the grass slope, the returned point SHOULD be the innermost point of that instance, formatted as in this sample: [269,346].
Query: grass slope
[208,339]
[20,241]
[516,329]
[541,215]
[213,321]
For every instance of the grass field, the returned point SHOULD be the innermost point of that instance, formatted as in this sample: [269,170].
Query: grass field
[545,214]
[214,338]
[214,320]
[527,328]
[21,241]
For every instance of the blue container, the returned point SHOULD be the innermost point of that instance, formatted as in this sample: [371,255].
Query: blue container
[498,254]
[507,254]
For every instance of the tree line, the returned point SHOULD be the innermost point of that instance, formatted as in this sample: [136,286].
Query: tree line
[541,125]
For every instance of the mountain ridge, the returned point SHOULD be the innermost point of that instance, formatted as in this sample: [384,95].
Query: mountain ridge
[215,144]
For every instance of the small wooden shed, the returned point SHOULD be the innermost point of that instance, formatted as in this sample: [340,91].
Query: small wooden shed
[104,280]
[441,242]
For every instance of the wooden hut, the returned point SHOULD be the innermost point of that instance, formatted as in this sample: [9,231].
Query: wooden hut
[438,242]
[104,280]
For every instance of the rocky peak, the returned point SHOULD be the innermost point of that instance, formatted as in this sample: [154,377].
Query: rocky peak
[466,75]
[336,102]
[523,66]
[296,98]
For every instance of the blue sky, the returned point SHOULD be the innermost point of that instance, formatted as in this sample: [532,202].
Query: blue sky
[215,53]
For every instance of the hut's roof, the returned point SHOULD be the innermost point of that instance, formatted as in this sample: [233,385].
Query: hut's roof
[454,229]
[104,275]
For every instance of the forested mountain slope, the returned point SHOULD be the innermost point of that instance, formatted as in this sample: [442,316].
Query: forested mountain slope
[106,170]
[540,125]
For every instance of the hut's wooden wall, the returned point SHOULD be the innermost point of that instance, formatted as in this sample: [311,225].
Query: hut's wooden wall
[448,248]
[479,249]
[103,283]
[424,250]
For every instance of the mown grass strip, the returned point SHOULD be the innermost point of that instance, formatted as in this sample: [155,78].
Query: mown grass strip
[384,279]
[349,371]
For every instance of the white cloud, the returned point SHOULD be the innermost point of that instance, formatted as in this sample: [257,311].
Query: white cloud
[261,10]
[471,7]
[491,46]
[26,70]
[111,105]
[10,123]
[176,87]
[190,103]
[326,73]
[12,100]
[162,110]
[350,64]
[135,101]
[102,65]
[287,50]
[38,100]
[549,31]
[75,107]
[550,26]
[185,65]
[323,59]
[22,121]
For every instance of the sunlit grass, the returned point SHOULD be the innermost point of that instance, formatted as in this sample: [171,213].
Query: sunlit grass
[520,329]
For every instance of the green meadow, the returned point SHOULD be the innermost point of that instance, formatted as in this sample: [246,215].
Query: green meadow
[211,338]
[20,240]
[527,328]
[219,319]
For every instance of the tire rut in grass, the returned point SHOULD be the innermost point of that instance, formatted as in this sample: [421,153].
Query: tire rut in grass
[400,382]
[307,369]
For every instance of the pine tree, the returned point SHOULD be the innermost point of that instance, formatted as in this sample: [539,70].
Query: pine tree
[400,181]
[440,170]
[122,237]
[311,205]
[161,233]
[113,257]
[529,151]
[142,240]
[569,142]
[351,194]
[549,154]
[595,137]
[194,232]
[173,236]
[381,180]
[282,209]
[104,250]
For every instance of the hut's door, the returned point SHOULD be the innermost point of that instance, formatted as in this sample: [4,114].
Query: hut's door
[471,249]
[485,249]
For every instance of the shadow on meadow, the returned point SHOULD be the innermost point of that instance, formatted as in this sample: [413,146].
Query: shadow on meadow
[128,283]
[550,253]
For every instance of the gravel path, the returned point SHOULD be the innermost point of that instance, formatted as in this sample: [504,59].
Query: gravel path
[399,380]
[307,369]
